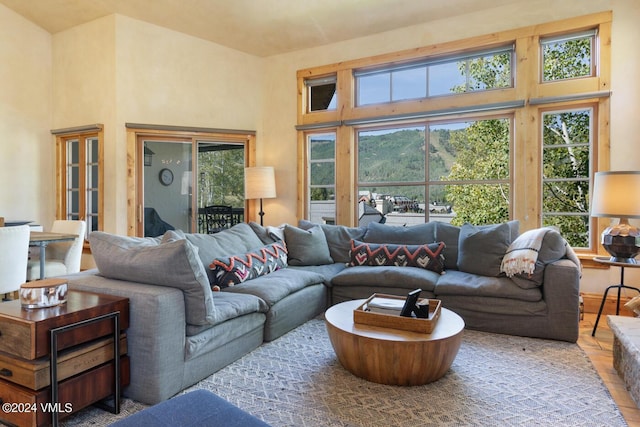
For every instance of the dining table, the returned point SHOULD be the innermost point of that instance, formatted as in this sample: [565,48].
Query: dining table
[42,238]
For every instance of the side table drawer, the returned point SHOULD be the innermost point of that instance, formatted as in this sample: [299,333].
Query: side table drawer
[74,394]
[34,374]
[17,338]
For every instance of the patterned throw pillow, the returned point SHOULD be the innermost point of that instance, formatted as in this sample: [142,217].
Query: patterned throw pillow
[427,256]
[235,269]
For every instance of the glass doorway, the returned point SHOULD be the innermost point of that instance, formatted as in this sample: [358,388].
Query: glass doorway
[220,183]
[167,186]
[194,185]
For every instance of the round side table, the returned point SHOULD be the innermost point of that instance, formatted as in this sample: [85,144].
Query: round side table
[622,265]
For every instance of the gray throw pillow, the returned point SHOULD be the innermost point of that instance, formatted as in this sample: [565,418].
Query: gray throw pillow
[450,235]
[481,248]
[412,235]
[175,264]
[307,247]
[338,238]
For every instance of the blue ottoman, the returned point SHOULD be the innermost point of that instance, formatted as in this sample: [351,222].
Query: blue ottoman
[199,408]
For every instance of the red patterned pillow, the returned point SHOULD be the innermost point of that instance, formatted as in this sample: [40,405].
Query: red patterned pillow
[427,256]
[235,269]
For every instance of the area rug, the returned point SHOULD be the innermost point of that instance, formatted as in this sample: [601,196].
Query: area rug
[496,380]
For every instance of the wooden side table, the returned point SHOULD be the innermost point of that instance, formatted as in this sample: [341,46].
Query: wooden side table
[55,361]
[619,287]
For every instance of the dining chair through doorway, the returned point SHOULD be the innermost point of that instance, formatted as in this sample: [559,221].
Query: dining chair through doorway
[14,250]
[62,257]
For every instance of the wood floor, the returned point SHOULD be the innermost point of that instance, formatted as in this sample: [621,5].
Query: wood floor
[599,350]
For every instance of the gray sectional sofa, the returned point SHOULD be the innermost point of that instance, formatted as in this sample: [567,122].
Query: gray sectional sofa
[199,302]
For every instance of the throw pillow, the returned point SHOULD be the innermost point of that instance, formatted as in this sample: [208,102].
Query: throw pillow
[427,256]
[338,238]
[413,235]
[235,269]
[175,264]
[307,247]
[481,248]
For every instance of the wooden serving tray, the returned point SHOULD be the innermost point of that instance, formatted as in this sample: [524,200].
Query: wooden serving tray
[413,324]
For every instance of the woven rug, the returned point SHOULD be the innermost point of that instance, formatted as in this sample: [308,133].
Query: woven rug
[495,380]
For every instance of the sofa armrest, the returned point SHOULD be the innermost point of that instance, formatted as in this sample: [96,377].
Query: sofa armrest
[561,293]
[156,334]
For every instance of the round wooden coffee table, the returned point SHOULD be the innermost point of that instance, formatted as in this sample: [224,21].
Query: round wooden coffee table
[393,356]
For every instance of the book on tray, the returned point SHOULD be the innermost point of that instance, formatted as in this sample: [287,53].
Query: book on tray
[386,306]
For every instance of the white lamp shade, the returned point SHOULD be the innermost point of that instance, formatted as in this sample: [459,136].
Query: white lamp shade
[616,194]
[259,183]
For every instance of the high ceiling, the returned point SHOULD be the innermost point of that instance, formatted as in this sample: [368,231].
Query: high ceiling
[258,27]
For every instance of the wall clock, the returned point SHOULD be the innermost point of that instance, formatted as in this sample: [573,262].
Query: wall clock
[166,176]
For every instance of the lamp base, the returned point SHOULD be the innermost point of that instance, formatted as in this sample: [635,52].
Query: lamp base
[622,242]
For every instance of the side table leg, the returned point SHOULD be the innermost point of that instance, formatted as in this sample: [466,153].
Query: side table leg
[604,299]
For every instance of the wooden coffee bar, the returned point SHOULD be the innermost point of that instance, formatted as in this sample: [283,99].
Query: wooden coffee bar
[82,332]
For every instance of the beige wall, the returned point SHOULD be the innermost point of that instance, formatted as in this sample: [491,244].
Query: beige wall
[26,170]
[134,72]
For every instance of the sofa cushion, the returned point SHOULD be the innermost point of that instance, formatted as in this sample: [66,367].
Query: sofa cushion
[307,247]
[274,287]
[481,248]
[460,283]
[413,235]
[427,256]
[386,277]
[234,269]
[328,271]
[175,264]
[338,238]
[230,306]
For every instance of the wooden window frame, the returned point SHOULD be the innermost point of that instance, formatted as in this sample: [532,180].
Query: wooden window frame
[529,90]
[81,133]
[135,163]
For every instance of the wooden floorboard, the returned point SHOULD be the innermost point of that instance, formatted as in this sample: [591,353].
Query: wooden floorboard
[599,351]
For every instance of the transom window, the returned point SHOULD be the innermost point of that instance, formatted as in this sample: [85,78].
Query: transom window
[568,56]
[479,71]
[321,94]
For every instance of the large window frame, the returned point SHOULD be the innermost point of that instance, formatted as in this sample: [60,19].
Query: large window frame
[80,175]
[524,101]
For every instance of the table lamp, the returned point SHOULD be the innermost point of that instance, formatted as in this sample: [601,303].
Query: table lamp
[617,194]
[259,183]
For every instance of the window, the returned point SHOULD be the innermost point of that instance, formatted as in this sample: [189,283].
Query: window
[476,130]
[80,195]
[479,71]
[467,164]
[321,176]
[566,157]
[321,94]
[568,57]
